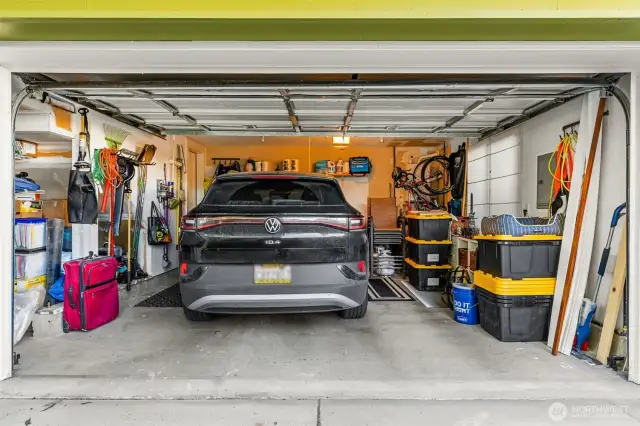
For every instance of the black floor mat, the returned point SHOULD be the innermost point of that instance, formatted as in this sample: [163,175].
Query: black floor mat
[386,289]
[168,298]
[380,289]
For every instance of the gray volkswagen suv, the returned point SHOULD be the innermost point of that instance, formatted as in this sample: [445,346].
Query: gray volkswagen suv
[274,243]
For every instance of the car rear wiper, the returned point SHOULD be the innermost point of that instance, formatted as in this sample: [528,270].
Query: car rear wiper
[295,202]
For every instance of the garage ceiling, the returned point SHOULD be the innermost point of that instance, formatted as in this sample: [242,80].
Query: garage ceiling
[429,106]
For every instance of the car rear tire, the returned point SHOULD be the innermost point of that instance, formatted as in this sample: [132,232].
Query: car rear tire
[357,312]
[196,315]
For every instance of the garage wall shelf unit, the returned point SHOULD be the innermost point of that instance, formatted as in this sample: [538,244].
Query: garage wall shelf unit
[27,164]
[36,126]
[468,244]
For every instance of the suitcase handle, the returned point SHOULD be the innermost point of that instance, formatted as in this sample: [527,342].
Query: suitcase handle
[72,303]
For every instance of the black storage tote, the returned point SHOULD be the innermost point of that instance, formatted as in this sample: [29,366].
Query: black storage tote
[514,318]
[427,278]
[518,258]
[433,227]
[428,253]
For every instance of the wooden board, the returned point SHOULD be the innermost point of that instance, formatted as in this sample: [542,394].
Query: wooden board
[615,297]
[383,212]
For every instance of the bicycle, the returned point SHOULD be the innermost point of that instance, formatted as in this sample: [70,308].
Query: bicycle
[434,173]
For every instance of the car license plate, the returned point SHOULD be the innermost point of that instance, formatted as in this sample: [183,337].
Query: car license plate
[272,274]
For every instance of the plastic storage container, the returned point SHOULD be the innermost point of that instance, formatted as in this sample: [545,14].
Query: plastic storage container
[427,278]
[428,252]
[514,318]
[465,304]
[511,287]
[67,239]
[30,264]
[30,234]
[429,227]
[517,258]
[55,230]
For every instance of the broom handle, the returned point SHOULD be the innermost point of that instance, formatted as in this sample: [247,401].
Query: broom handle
[128,241]
[584,192]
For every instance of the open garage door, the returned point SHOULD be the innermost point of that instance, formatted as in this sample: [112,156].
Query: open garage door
[484,110]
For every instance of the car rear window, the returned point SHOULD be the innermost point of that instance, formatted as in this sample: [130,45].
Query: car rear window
[273,192]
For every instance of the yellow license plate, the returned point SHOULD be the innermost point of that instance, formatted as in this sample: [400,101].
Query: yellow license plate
[272,274]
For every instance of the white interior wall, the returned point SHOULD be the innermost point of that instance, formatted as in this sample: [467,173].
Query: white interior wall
[494,175]
[541,135]
[150,257]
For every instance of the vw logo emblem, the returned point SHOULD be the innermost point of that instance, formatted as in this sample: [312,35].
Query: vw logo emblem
[272,225]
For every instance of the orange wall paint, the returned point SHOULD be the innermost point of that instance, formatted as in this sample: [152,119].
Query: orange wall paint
[381,158]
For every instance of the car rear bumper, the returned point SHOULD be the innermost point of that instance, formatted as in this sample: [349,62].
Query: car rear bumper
[314,288]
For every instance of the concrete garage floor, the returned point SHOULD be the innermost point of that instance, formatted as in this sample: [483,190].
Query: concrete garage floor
[400,350]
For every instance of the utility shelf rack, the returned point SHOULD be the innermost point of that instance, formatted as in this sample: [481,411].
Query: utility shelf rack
[393,239]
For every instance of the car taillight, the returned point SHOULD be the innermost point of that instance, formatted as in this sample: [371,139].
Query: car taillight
[191,223]
[184,268]
[188,223]
[362,267]
[355,223]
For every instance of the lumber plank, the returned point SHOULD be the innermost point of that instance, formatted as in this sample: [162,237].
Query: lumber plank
[615,297]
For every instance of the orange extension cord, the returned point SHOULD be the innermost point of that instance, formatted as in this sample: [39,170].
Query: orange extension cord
[563,156]
[108,162]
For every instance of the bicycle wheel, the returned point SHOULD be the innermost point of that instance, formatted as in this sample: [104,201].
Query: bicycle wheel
[435,175]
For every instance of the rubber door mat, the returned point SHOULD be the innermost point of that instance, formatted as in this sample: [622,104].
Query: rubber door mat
[386,289]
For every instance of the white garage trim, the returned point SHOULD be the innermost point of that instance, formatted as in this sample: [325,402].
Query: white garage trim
[6,226]
[633,212]
[320,57]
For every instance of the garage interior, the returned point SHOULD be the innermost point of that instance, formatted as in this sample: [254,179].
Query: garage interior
[409,344]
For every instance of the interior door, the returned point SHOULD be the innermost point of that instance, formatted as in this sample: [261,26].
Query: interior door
[192,182]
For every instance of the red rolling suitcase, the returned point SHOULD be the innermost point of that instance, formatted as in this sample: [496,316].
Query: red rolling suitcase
[90,292]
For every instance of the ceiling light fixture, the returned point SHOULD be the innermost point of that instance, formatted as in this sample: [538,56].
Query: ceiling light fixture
[341,142]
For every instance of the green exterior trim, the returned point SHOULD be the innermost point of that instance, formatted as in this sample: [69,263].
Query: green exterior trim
[517,29]
[324,9]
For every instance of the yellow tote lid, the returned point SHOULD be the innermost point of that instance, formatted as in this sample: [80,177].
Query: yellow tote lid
[429,217]
[414,241]
[415,265]
[511,287]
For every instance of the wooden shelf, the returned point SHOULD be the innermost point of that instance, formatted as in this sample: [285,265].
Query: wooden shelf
[44,163]
[346,175]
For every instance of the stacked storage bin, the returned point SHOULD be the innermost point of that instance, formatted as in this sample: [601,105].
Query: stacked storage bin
[515,282]
[428,247]
[30,260]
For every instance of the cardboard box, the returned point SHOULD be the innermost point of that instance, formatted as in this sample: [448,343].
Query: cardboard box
[55,209]
[28,209]
[383,212]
